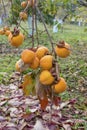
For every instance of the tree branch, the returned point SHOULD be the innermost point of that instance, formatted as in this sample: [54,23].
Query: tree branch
[4,7]
[42,19]
[82,2]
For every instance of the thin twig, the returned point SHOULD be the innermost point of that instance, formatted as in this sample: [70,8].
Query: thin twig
[33,21]
[36,25]
[42,19]
[25,10]
[4,7]
[23,29]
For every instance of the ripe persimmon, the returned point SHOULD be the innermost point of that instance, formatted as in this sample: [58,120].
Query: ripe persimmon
[35,63]
[2,32]
[46,62]
[21,66]
[23,4]
[23,15]
[46,77]
[27,56]
[60,86]
[62,49]
[16,40]
[41,51]
[7,32]
[31,2]
[6,28]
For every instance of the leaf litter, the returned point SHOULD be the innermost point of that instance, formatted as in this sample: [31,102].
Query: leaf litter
[19,112]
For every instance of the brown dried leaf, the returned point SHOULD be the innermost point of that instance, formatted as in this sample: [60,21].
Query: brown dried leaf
[43,102]
[56,100]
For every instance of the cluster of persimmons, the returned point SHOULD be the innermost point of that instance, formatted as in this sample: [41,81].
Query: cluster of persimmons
[39,58]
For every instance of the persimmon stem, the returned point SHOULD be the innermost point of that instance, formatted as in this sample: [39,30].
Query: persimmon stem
[26,7]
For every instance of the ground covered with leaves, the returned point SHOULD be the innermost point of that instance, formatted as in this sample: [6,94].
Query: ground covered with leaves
[18,112]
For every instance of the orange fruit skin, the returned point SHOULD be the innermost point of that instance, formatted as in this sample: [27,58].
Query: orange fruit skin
[16,40]
[35,63]
[6,28]
[7,32]
[23,15]
[41,51]
[20,66]
[60,86]
[23,4]
[2,32]
[31,2]
[63,52]
[46,77]
[27,56]
[46,62]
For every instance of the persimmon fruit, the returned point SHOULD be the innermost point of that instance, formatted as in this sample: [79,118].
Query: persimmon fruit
[42,51]
[6,28]
[20,66]
[23,4]
[7,32]
[27,56]
[35,63]
[23,15]
[62,49]
[31,2]
[2,32]
[46,62]
[46,77]
[60,86]
[16,40]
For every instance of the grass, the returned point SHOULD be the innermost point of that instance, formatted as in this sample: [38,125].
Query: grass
[7,67]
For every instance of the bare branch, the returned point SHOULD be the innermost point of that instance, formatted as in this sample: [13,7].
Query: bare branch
[82,2]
